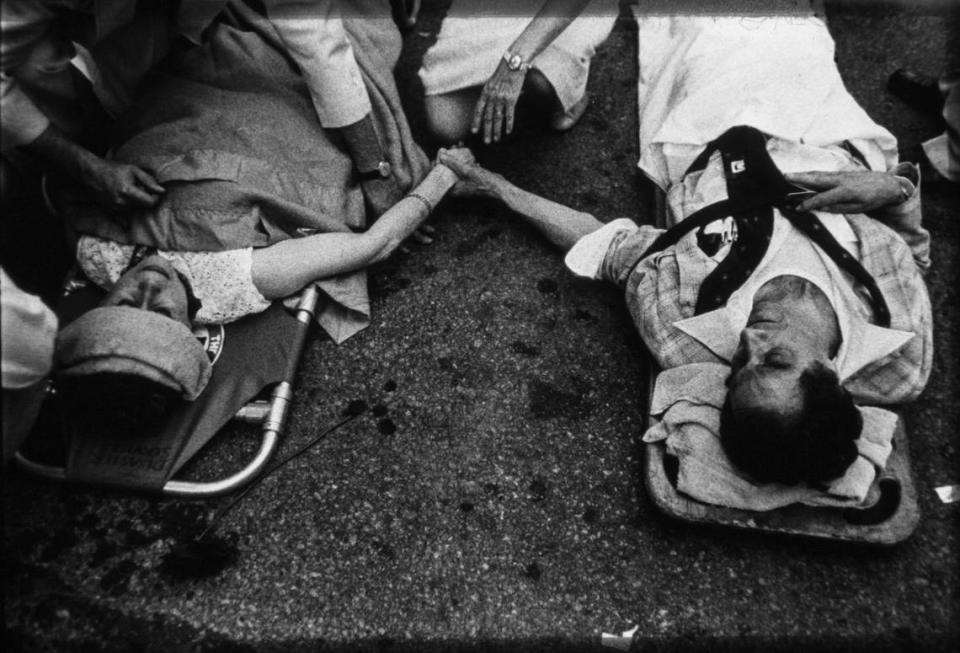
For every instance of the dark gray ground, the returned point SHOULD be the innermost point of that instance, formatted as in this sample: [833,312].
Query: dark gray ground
[506,511]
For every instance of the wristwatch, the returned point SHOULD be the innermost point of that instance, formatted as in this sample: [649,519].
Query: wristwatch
[515,62]
[382,171]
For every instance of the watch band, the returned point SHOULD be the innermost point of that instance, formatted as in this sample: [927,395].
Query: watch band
[515,62]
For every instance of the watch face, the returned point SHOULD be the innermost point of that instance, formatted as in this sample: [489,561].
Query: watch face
[384,168]
[515,62]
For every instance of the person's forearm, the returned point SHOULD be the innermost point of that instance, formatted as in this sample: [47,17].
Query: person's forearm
[21,121]
[397,224]
[313,34]
[287,266]
[363,144]
[561,225]
[554,17]
[59,152]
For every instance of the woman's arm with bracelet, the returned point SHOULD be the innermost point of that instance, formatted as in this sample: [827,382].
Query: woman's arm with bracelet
[286,267]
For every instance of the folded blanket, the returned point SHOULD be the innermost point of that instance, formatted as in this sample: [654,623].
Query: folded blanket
[687,402]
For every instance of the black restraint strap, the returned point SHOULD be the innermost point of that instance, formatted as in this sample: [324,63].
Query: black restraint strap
[754,187]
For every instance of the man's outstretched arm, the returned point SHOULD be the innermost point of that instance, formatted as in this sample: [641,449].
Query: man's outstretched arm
[561,225]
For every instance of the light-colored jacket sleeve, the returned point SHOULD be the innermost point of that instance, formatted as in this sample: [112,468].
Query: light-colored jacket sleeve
[24,26]
[21,121]
[29,329]
[313,33]
[624,252]
[906,218]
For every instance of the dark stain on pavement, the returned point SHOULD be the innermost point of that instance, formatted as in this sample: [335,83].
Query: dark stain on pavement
[522,348]
[547,286]
[582,315]
[537,489]
[546,401]
[355,407]
[384,281]
[201,558]
[533,571]
[590,515]
[390,385]
[386,426]
[384,550]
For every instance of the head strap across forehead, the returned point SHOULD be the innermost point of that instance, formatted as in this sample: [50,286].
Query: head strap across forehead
[121,339]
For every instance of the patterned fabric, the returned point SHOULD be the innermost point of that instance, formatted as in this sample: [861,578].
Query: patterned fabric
[663,289]
[220,280]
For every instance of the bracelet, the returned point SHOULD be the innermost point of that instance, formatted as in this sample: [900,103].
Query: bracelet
[426,202]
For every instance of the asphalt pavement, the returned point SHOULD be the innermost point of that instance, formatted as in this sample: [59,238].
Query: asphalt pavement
[492,499]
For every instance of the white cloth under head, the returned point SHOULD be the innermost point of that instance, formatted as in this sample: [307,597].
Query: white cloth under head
[687,402]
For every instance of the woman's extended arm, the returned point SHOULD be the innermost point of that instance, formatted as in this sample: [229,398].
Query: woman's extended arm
[561,225]
[286,267]
[495,109]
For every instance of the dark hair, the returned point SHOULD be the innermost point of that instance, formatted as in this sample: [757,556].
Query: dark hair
[115,404]
[814,446]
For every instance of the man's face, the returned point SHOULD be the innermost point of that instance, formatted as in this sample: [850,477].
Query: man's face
[776,347]
[152,285]
[765,373]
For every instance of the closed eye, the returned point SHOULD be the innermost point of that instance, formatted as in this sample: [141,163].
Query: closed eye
[777,360]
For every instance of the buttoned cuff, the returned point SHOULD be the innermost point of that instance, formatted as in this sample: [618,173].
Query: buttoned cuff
[585,258]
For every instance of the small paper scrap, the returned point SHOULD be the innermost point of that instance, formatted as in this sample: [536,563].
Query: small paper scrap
[619,642]
[948,493]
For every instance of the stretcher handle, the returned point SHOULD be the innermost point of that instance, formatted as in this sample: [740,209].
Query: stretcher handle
[274,422]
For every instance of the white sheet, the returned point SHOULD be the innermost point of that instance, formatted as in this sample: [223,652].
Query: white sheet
[700,75]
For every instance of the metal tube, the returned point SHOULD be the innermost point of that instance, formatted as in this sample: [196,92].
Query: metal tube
[197,490]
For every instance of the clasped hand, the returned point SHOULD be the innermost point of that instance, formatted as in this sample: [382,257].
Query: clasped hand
[475,180]
[854,191]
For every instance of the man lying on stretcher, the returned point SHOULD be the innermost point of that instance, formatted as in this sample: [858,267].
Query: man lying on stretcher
[815,300]
[258,203]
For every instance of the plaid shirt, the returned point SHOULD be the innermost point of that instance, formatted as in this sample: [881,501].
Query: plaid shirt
[662,289]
